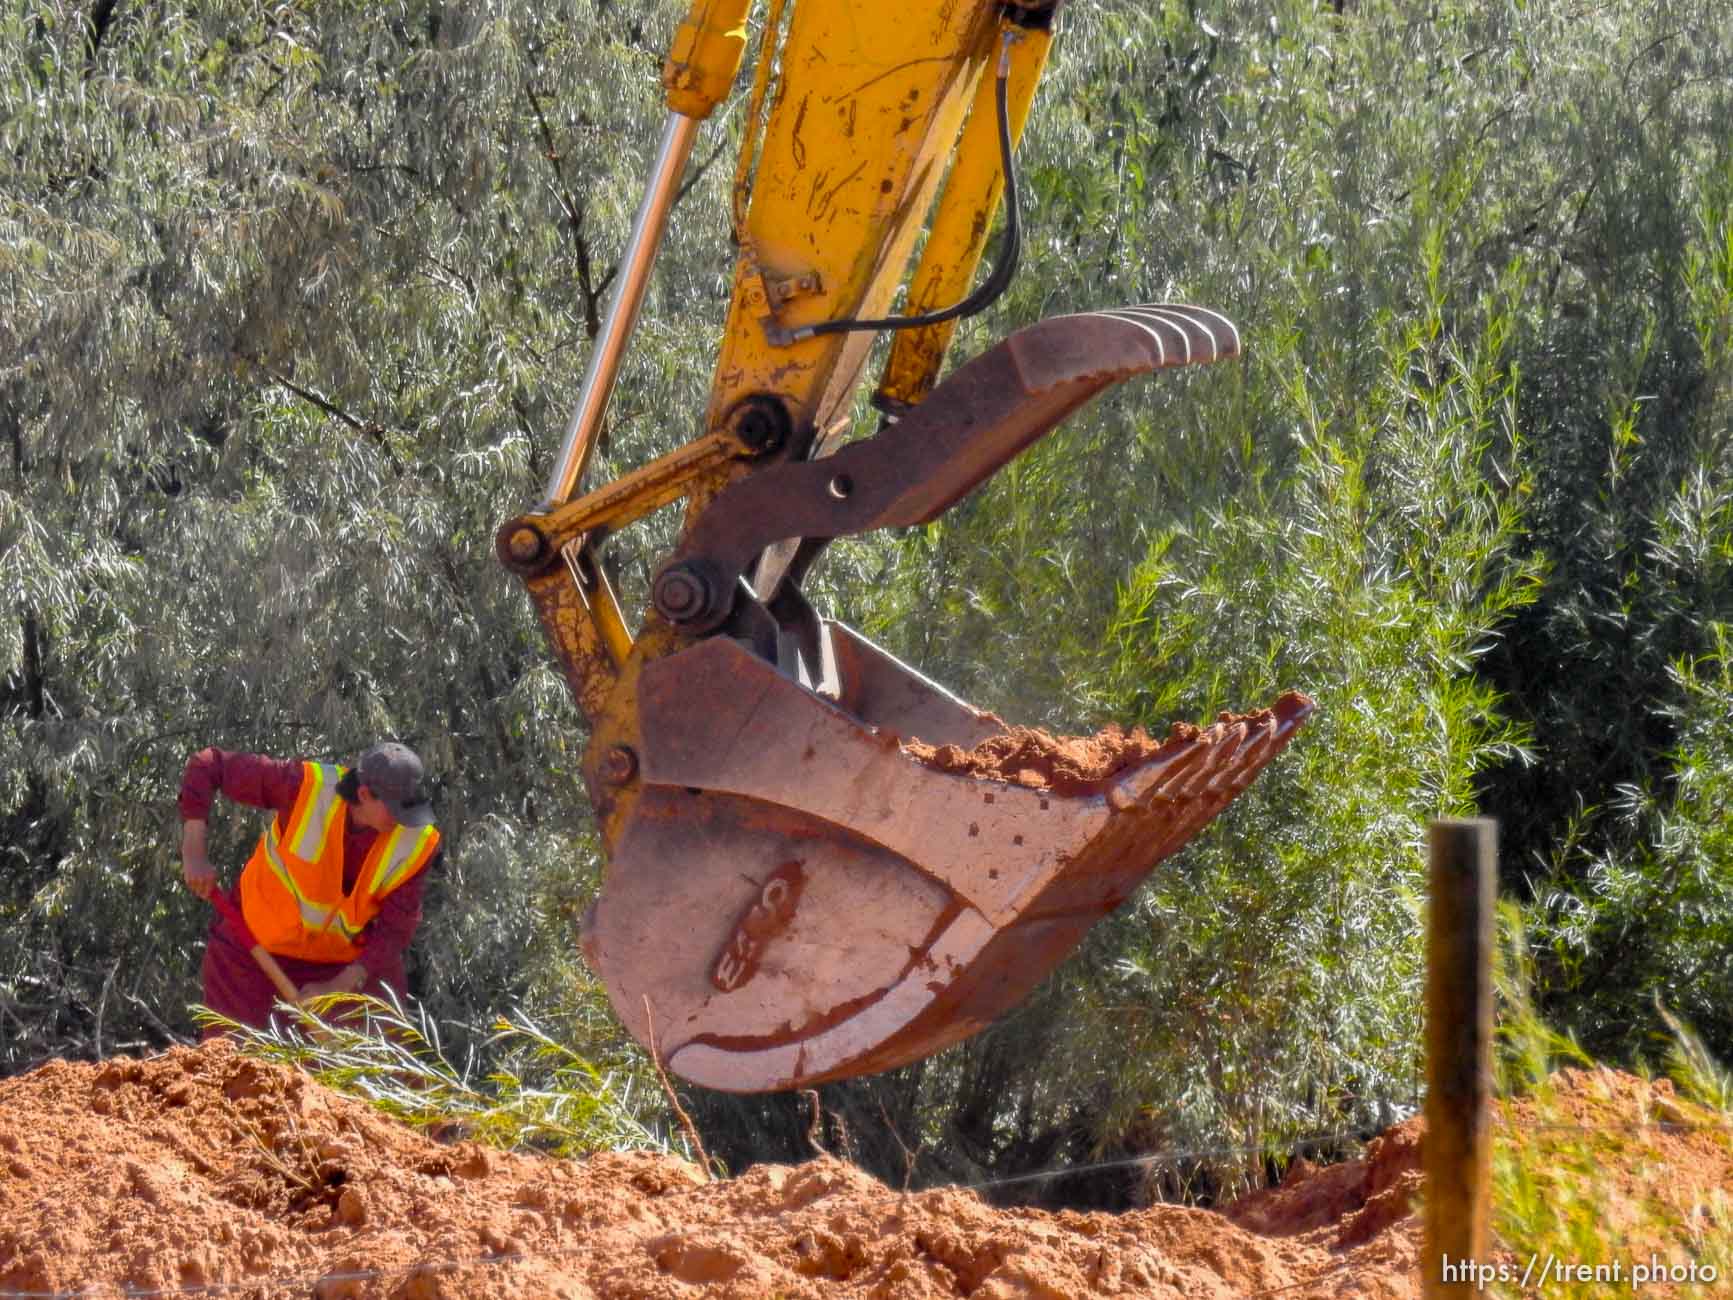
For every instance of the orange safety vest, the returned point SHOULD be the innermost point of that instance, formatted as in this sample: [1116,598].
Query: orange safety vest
[292,887]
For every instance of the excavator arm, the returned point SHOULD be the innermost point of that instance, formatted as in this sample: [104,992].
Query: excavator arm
[819,863]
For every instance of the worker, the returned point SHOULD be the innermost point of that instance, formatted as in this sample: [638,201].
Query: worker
[333,888]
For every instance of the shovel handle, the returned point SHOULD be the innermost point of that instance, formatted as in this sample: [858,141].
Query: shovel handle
[267,963]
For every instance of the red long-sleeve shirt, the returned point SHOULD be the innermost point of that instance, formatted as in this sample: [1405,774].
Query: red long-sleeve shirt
[274,783]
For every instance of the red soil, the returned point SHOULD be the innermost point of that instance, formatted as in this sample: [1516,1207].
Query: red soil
[200,1168]
[1032,757]
[1063,764]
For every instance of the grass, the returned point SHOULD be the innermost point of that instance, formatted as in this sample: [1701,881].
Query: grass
[1611,1192]
[543,1096]
[1601,1175]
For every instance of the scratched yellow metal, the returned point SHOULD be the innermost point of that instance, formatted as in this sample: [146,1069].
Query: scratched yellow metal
[581,646]
[861,129]
[647,488]
[704,56]
[965,213]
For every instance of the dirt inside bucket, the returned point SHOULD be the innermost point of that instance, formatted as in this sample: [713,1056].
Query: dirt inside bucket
[1066,765]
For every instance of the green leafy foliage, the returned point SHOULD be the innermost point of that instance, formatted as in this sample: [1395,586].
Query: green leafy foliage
[1653,915]
[290,321]
[539,1094]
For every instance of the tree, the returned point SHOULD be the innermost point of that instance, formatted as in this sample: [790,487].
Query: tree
[296,295]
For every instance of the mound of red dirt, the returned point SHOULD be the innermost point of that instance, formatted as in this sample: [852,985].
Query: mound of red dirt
[202,1171]
[201,1168]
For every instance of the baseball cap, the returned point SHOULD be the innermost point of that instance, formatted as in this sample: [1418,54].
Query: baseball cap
[393,772]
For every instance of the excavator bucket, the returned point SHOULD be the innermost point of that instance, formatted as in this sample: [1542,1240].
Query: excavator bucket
[822,864]
[804,892]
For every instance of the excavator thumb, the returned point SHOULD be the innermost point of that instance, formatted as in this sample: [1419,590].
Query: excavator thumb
[821,864]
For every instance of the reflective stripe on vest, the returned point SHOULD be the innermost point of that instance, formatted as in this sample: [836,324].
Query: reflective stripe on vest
[406,848]
[315,813]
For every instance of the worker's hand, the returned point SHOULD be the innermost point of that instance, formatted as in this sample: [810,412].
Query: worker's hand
[200,876]
[347,980]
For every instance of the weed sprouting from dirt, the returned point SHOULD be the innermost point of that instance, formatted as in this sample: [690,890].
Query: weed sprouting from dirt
[1602,1171]
[544,1096]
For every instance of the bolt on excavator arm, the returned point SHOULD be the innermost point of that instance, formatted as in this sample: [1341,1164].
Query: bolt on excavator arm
[819,863]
